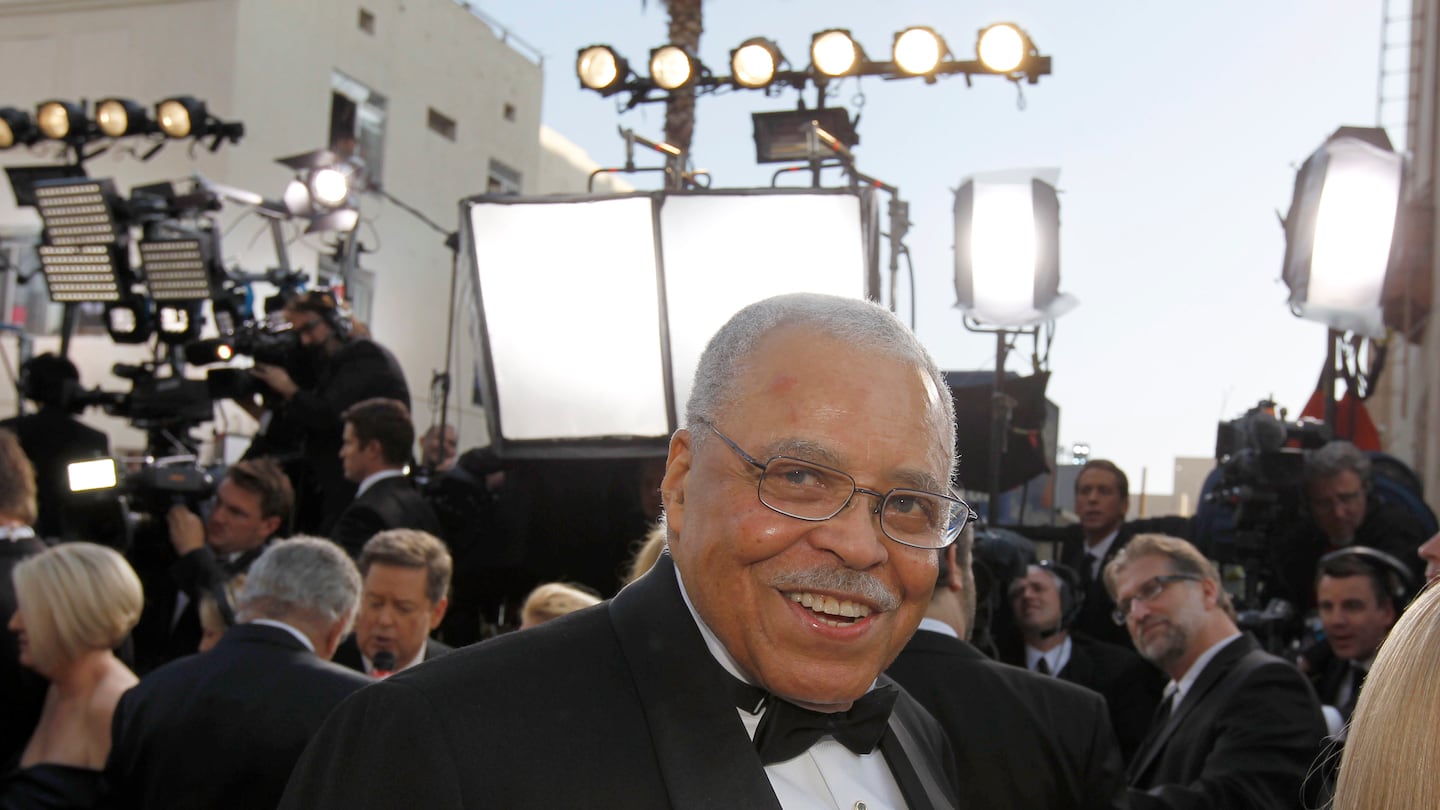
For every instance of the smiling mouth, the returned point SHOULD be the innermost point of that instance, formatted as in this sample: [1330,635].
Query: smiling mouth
[828,609]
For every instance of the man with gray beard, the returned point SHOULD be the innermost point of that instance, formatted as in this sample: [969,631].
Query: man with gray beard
[1237,727]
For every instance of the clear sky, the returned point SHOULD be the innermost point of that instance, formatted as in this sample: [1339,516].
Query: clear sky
[1176,127]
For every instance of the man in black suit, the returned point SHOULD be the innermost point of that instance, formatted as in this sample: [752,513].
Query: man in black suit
[1059,730]
[1360,595]
[251,507]
[222,729]
[351,368]
[405,576]
[748,673]
[1045,601]
[52,438]
[1102,497]
[375,447]
[1238,728]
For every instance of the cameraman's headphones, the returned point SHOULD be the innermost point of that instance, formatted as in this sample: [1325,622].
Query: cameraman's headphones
[323,302]
[1395,573]
[1072,594]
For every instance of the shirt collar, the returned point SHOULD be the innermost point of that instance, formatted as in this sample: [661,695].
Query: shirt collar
[1099,550]
[373,478]
[299,636]
[1181,687]
[937,626]
[1056,658]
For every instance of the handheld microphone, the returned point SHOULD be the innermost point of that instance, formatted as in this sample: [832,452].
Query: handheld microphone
[382,665]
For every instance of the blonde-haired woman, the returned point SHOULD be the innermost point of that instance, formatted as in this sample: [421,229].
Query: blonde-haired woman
[75,603]
[1392,749]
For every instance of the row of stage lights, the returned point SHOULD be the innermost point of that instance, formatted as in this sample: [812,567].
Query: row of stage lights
[1002,49]
[70,123]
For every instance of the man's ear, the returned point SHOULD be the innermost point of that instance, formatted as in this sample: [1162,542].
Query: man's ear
[672,486]
[437,613]
[271,525]
[953,580]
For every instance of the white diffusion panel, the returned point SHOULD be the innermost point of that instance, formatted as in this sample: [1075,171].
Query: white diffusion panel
[724,251]
[572,317]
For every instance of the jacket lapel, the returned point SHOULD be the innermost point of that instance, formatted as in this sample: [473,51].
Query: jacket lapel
[704,755]
[1209,678]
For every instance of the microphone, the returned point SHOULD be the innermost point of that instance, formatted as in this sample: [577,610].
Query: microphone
[382,665]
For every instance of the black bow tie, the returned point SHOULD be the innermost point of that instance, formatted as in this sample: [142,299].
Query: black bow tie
[787,731]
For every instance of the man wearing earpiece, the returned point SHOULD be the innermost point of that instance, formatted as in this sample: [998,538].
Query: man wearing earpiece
[352,369]
[1360,593]
[1046,601]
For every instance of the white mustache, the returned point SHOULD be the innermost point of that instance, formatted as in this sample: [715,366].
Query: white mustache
[840,581]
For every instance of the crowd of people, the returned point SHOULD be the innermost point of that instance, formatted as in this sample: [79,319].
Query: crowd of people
[771,646]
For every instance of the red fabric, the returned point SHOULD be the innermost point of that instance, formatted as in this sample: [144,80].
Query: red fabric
[1352,419]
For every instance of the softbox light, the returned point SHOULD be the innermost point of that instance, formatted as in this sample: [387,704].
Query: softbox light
[593,311]
[1007,250]
[1340,232]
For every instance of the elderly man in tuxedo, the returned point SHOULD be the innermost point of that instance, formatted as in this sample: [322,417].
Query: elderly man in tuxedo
[807,503]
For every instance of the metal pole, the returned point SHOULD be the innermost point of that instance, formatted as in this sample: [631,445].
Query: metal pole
[997,428]
[1327,378]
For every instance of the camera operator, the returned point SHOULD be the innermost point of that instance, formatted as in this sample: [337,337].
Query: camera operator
[53,438]
[1342,511]
[352,368]
[252,505]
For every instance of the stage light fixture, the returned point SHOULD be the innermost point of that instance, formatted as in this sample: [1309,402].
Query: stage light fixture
[61,120]
[672,67]
[918,50]
[77,212]
[329,187]
[179,117]
[16,127]
[1341,231]
[601,69]
[128,320]
[118,117]
[755,62]
[1007,253]
[175,269]
[180,324]
[80,273]
[834,52]
[788,136]
[1002,47]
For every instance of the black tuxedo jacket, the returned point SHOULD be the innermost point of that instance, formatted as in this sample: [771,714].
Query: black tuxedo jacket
[390,503]
[1130,685]
[161,636]
[616,706]
[1243,738]
[1021,740]
[348,653]
[222,730]
[1094,619]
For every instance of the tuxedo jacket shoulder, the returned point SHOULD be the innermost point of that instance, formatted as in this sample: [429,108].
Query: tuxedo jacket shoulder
[619,705]
[1130,685]
[1243,738]
[223,729]
[390,503]
[1021,740]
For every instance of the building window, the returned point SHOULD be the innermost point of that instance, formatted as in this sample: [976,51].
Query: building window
[502,179]
[367,21]
[441,124]
[357,124]
[509,111]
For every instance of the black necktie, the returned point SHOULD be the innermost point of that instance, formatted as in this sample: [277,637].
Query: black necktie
[1087,573]
[1042,667]
[787,731]
[1357,677]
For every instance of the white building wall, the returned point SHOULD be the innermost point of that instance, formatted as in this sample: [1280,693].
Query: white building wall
[268,63]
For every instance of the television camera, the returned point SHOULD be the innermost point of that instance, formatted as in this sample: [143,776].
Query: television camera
[1252,500]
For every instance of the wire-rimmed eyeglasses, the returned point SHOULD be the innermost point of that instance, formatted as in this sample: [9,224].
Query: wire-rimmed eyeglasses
[1152,588]
[805,490]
